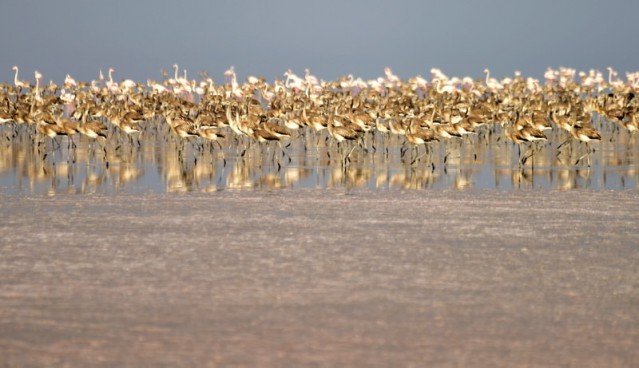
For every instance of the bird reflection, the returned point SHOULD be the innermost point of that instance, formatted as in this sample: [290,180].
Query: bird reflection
[90,168]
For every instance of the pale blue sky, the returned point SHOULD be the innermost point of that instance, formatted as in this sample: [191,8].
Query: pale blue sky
[331,37]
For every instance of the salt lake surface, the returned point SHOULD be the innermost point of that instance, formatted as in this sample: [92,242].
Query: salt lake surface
[317,277]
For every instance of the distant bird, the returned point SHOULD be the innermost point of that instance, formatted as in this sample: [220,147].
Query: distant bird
[19,84]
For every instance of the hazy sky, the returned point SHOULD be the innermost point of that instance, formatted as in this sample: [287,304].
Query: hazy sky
[331,37]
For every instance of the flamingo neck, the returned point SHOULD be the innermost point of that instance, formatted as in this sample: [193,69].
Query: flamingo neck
[609,75]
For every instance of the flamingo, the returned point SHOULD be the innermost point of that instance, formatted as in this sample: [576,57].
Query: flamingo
[69,82]
[375,85]
[128,84]
[419,83]
[229,75]
[633,79]
[358,86]
[532,85]
[69,100]
[492,83]
[37,76]
[446,88]
[199,89]
[550,76]
[183,81]
[566,75]
[467,83]
[174,80]
[347,82]
[293,81]
[111,85]
[437,74]
[310,79]
[156,87]
[617,83]
[17,82]
[391,79]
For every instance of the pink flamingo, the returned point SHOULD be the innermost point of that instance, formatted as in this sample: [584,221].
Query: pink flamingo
[69,100]
[293,81]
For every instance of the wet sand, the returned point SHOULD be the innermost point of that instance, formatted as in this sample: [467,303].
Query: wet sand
[321,278]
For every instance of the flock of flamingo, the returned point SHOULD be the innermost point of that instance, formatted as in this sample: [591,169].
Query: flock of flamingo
[351,114]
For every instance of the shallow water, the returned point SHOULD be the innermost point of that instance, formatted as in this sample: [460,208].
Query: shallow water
[162,163]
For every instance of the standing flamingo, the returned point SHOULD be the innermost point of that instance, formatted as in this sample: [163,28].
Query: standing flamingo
[617,83]
[229,75]
[492,83]
[293,81]
[38,76]
[310,79]
[111,85]
[175,78]
[17,82]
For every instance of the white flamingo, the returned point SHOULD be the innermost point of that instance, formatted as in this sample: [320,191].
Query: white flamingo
[19,84]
